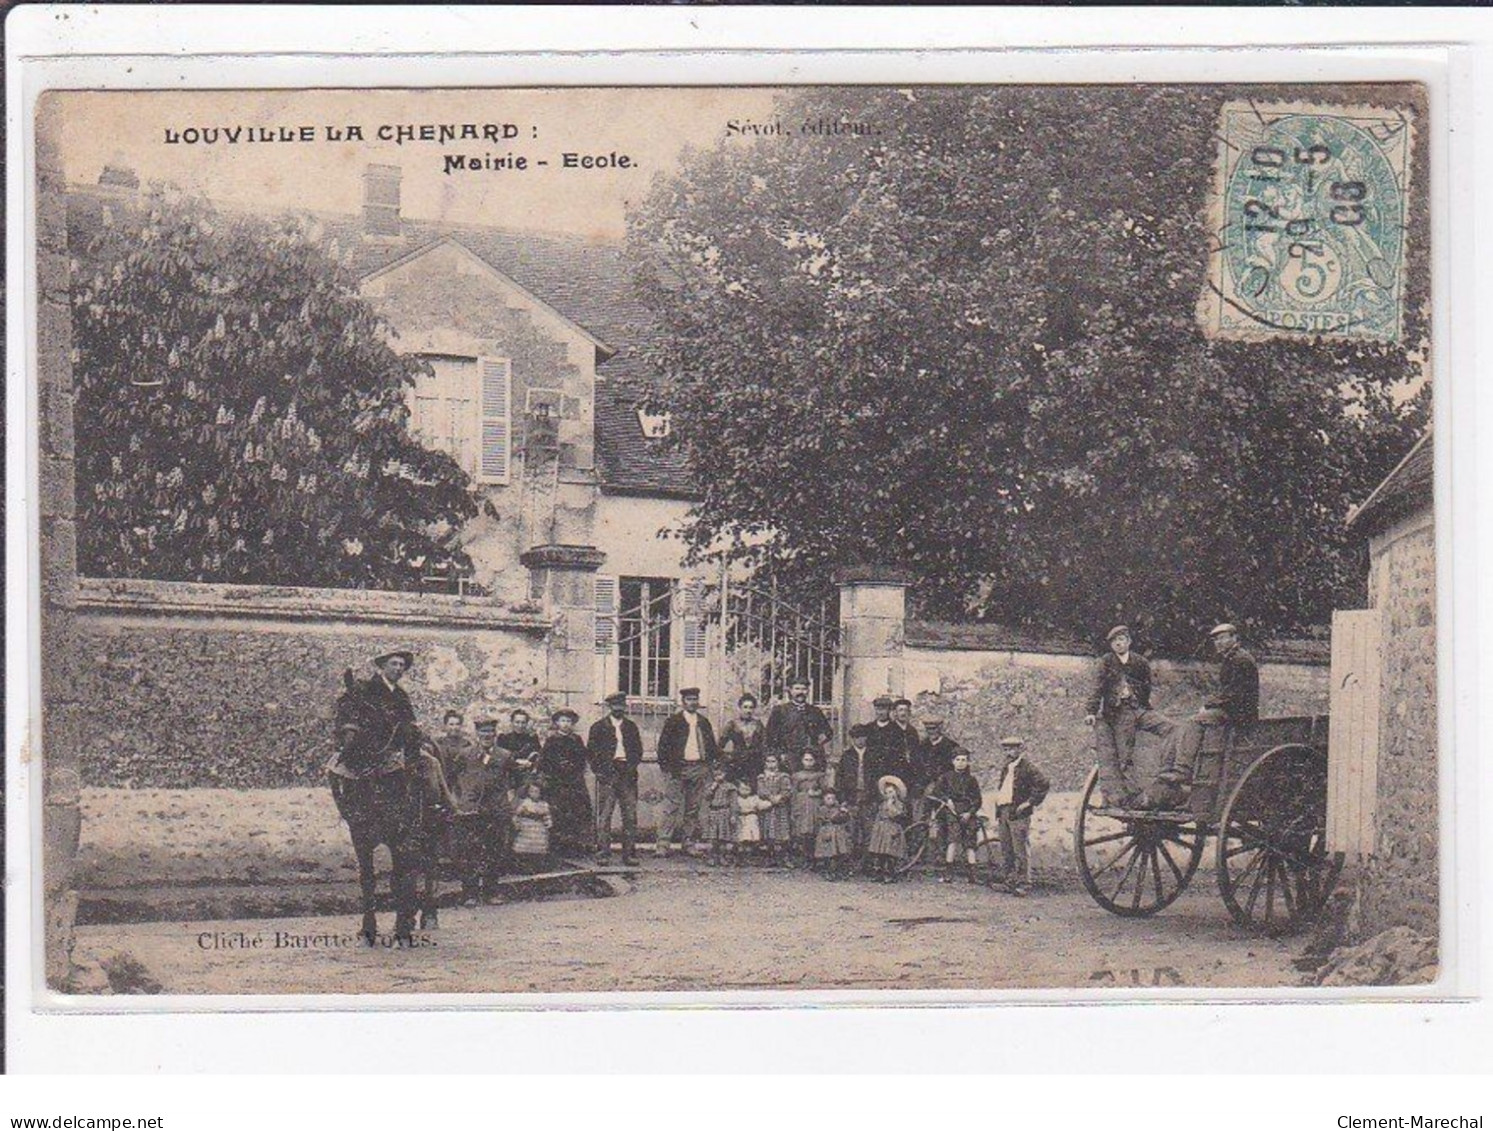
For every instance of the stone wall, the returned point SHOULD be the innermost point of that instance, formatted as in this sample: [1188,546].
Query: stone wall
[985,693]
[1400,882]
[209,685]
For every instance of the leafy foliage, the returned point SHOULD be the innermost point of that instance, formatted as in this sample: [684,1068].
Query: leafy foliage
[241,416]
[968,346]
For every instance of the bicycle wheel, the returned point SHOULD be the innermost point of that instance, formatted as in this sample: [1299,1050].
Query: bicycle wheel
[918,839]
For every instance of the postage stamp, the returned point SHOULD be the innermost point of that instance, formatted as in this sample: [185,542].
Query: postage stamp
[1308,215]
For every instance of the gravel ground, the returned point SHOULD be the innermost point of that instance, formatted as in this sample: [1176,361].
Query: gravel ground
[678,925]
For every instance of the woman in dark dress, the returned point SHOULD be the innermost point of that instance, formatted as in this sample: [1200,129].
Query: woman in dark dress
[561,769]
[522,743]
[743,742]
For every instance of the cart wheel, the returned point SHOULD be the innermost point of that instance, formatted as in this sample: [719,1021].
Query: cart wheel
[1274,870]
[1132,865]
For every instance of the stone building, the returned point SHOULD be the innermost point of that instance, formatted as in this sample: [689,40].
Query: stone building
[1398,884]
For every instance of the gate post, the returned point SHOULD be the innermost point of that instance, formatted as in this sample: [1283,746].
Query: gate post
[563,577]
[873,613]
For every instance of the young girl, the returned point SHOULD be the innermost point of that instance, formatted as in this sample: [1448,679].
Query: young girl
[776,788]
[720,822]
[532,821]
[832,843]
[888,846]
[748,826]
[808,787]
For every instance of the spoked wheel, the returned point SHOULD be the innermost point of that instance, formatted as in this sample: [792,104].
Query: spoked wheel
[1274,870]
[1131,863]
[919,846]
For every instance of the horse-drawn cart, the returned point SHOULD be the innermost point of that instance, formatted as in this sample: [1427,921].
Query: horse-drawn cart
[1260,794]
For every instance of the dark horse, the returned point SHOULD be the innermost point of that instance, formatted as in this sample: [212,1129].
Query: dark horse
[380,806]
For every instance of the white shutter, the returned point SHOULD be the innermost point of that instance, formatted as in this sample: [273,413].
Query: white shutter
[606,614]
[495,374]
[692,593]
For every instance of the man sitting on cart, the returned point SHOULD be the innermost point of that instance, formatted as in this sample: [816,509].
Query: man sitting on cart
[1234,702]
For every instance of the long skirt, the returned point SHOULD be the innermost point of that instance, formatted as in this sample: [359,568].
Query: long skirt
[888,839]
[831,840]
[575,820]
[720,824]
[777,824]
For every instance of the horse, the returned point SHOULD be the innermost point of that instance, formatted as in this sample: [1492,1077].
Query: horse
[382,808]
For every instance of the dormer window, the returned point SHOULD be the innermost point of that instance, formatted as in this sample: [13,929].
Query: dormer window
[655,425]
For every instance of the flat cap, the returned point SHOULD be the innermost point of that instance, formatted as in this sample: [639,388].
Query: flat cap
[902,703]
[689,693]
[1220,629]
[616,699]
[1118,630]
[882,701]
[860,730]
[1010,741]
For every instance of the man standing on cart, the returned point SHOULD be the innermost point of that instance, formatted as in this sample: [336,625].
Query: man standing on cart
[1235,702]
[1119,707]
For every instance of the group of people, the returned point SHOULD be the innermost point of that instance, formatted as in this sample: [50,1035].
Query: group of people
[1119,708]
[775,790]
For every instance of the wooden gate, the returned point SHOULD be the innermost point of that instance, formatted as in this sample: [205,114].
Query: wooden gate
[1353,741]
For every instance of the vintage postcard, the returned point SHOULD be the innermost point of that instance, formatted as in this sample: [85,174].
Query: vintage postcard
[602,540]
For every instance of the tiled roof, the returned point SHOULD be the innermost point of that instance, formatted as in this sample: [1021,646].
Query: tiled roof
[585,281]
[1408,487]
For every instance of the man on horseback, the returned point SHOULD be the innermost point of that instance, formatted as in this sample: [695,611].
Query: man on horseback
[378,744]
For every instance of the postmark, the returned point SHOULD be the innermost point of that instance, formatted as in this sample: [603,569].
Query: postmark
[1308,217]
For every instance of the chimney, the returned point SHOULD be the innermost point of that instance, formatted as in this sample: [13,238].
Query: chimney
[381,200]
[119,178]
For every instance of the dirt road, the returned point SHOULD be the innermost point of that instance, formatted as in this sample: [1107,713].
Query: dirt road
[684,926]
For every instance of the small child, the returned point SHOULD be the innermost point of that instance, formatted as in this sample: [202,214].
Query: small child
[532,820]
[832,842]
[803,814]
[775,787]
[720,821]
[748,826]
[888,845]
[1022,788]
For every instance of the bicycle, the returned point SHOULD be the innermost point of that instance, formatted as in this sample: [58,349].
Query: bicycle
[924,844]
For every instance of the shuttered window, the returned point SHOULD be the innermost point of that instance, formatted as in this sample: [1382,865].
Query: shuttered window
[443,409]
[497,419]
[606,615]
[692,594]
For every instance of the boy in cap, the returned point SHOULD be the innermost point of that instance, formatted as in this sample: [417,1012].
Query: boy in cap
[850,783]
[1119,706]
[1022,788]
[615,747]
[959,815]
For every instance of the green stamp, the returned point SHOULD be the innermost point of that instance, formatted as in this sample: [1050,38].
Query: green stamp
[1310,217]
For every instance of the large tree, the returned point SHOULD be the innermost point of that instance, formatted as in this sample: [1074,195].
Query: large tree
[241,415]
[967,345]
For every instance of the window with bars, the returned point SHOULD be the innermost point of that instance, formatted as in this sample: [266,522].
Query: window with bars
[644,644]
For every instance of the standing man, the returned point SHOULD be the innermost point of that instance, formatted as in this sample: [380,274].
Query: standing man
[452,743]
[615,747]
[1119,706]
[796,726]
[686,750]
[521,742]
[1021,789]
[1234,702]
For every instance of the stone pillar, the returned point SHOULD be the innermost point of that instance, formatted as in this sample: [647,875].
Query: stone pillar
[61,709]
[563,578]
[873,613]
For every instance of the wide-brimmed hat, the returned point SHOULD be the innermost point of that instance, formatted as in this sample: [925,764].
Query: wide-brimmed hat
[398,653]
[895,782]
[1118,630]
[565,713]
[1220,629]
